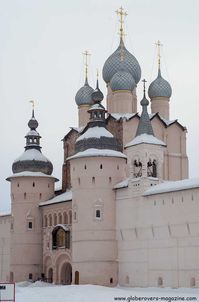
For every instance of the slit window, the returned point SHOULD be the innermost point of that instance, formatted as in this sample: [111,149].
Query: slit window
[98,214]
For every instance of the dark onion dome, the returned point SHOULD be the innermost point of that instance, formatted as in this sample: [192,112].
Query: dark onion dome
[122,80]
[95,135]
[114,63]
[159,87]
[32,159]
[83,95]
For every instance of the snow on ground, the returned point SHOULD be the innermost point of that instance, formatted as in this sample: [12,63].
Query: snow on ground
[44,292]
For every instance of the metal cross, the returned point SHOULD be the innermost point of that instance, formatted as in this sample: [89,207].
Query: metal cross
[120,12]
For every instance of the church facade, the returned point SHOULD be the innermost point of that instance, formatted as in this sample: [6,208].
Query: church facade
[126,213]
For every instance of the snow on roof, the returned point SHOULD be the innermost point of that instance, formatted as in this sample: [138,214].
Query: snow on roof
[167,122]
[66,196]
[32,154]
[63,226]
[123,116]
[172,186]
[78,129]
[96,153]
[30,174]
[33,133]
[3,214]
[145,139]
[97,106]
[95,132]
[122,184]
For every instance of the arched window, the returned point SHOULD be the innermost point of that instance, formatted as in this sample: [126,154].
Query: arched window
[50,220]
[193,282]
[55,219]
[160,281]
[60,218]
[137,168]
[152,168]
[70,217]
[65,218]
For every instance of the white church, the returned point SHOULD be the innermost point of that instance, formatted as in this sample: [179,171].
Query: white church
[127,213]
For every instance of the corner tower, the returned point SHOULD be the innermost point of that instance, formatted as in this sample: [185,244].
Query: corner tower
[121,72]
[95,168]
[31,183]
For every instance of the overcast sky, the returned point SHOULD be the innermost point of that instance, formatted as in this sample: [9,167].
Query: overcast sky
[41,45]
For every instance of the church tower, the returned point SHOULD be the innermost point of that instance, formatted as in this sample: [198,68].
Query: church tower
[145,152]
[83,97]
[95,168]
[121,72]
[31,183]
[160,92]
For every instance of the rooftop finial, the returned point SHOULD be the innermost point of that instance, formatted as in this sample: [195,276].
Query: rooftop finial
[33,107]
[121,13]
[158,44]
[86,54]
[144,86]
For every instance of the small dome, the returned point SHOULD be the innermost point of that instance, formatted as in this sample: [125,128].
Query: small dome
[159,88]
[84,95]
[97,95]
[114,64]
[122,80]
[34,161]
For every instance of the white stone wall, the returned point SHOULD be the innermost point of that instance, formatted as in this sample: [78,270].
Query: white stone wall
[158,237]
[5,221]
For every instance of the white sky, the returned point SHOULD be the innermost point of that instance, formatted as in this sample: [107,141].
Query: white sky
[41,45]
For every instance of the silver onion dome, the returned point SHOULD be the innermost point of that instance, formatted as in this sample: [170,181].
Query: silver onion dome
[114,63]
[159,87]
[84,95]
[122,80]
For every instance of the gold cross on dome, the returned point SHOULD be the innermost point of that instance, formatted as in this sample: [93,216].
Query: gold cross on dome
[158,44]
[86,54]
[122,14]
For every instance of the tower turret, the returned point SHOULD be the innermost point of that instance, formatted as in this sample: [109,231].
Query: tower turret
[95,168]
[160,92]
[121,72]
[31,183]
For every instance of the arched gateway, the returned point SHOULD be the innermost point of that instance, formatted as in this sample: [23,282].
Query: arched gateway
[66,274]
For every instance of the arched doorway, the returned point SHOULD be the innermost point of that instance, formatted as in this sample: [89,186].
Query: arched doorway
[50,276]
[76,277]
[66,274]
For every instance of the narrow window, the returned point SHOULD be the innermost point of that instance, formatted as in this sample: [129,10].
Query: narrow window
[85,167]
[30,276]
[75,215]
[192,198]
[93,180]
[48,185]
[30,225]
[110,180]
[111,280]
[98,214]
[18,185]
[24,195]
[118,167]
[40,196]
[160,281]
[33,184]
[101,167]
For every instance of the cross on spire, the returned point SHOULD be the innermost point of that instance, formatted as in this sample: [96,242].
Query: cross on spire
[86,54]
[33,107]
[122,14]
[158,44]
[144,85]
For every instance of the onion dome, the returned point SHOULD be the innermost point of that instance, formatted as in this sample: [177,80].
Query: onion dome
[32,159]
[95,135]
[122,80]
[83,95]
[159,87]
[114,63]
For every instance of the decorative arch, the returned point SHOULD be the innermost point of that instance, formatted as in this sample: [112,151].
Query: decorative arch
[63,269]
[137,166]
[60,237]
